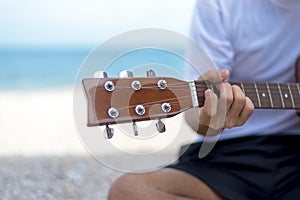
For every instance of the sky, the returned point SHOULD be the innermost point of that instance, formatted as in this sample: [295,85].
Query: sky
[86,22]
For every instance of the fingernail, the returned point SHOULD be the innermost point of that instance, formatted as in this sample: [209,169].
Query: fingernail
[208,91]
[223,72]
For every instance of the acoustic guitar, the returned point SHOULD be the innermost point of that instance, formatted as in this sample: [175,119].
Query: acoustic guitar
[133,99]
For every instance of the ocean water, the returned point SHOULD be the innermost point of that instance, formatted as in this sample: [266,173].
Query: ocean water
[29,69]
[25,69]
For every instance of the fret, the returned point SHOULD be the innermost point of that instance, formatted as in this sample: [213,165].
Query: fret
[200,87]
[242,87]
[249,91]
[275,94]
[298,97]
[283,105]
[286,97]
[298,88]
[291,95]
[298,102]
[257,94]
[296,94]
[270,95]
[263,95]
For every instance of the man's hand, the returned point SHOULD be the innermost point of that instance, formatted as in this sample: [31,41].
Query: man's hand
[232,108]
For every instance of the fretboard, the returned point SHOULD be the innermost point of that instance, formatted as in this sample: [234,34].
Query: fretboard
[263,95]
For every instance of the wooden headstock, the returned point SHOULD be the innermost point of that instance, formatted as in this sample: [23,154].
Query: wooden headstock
[122,100]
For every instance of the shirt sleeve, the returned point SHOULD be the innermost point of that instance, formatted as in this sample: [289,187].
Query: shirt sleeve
[208,29]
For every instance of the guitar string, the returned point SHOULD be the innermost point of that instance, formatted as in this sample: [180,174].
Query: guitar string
[181,100]
[232,83]
[187,98]
[249,91]
[204,85]
[198,82]
[197,90]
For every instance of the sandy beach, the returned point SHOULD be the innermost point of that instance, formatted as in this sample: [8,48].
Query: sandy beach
[41,154]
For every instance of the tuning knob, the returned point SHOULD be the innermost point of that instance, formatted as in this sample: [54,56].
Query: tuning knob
[151,73]
[135,129]
[100,74]
[126,74]
[136,86]
[160,126]
[109,132]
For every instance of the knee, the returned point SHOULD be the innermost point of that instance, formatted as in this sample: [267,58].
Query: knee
[123,187]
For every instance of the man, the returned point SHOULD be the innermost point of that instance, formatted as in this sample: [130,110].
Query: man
[251,41]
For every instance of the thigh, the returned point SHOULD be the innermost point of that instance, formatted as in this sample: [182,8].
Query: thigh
[172,181]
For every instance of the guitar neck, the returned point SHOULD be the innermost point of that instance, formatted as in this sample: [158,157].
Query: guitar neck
[263,95]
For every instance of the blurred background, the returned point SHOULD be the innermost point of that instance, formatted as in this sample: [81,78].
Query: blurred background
[42,46]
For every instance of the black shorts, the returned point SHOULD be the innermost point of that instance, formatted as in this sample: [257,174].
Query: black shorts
[256,167]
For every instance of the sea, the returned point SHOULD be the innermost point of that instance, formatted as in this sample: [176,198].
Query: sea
[39,68]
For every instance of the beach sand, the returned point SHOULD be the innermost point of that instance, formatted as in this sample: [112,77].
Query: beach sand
[41,155]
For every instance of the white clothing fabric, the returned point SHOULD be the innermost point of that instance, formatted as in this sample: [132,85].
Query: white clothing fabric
[258,41]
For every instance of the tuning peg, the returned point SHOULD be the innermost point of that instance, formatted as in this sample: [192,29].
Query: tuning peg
[100,74]
[109,132]
[126,74]
[160,126]
[135,129]
[150,73]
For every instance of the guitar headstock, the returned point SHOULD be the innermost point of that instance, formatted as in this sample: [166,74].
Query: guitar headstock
[134,99]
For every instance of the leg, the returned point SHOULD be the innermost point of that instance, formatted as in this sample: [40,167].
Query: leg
[163,184]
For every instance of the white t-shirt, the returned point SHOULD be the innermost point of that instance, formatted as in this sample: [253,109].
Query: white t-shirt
[257,41]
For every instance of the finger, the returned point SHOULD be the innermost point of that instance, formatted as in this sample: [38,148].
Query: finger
[226,97]
[209,108]
[238,104]
[215,76]
[223,104]
[246,112]
[224,73]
